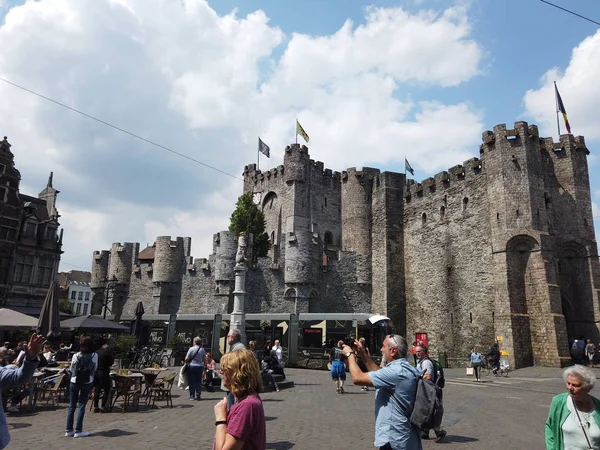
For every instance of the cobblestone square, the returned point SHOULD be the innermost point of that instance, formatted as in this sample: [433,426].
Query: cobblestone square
[500,413]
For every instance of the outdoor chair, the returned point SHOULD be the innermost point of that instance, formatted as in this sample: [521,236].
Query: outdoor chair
[125,390]
[161,390]
[52,387]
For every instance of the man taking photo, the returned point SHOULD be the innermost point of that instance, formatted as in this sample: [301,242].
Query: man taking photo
[396,388]
[11,376]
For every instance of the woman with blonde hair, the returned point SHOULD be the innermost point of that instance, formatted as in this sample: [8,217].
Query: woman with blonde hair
[243,427]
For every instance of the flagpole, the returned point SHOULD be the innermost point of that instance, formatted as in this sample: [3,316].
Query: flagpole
[296,130]
[556,101]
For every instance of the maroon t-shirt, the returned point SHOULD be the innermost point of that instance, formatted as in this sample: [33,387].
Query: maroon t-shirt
[246,421]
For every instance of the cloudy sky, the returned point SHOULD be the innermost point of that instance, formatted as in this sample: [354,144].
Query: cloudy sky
[371,82]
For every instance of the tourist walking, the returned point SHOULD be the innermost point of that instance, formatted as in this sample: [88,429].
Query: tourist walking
[338,368]
[15,376]
[195,358]
[83,368]
[426,367]
[278,353]
[590,351]
[244,426]
[102,379]
[396,389]
[475,361]
[574,417]
[234,341]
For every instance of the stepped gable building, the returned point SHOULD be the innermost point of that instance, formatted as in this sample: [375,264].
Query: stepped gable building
[30,246]
[499,247]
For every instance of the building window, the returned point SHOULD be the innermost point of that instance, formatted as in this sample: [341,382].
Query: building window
[4,265]
[87,296]
[8,229]
[78,309]
[73,295]
[80,295]
[50,234]
[45,270]
[85,310]
[442,212]
[423,218]
[30,229]
[328,238]
[23,269]
[465,203]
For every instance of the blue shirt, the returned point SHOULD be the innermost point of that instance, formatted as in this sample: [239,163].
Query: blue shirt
[198,354]
[396,385]
[11,376]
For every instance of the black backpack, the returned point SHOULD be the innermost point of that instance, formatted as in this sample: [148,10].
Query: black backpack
[428,408]
[438,374]
[83,369]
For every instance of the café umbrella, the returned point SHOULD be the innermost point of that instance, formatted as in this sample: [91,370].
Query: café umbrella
[13,320]
[136,325]
[49,320]
[93,324]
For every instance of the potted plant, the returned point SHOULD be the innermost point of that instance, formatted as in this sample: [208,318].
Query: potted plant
[175,345]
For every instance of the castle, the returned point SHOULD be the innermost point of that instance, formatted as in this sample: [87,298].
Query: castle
[501,247]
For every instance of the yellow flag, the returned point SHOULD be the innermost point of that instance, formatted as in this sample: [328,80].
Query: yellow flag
[301,132]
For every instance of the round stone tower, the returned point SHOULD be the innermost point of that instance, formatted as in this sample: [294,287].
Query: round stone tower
[357,190]
[296,161]
[302,253]
[225,247]
[121,262]
[168,260]
[99,268]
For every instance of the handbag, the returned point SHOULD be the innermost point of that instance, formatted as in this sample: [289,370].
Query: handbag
[186,366]
[469,371]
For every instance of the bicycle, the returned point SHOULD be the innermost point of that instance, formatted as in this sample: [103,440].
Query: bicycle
[484,368]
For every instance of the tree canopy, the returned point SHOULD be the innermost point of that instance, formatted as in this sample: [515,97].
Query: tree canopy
[248,217]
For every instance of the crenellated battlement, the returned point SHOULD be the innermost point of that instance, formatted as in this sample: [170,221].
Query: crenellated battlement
[525,134]
[466,171]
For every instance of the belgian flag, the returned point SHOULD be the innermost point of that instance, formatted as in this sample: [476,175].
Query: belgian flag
[561,107]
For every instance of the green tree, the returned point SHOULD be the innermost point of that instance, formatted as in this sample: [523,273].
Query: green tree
[64,305]
[247,217]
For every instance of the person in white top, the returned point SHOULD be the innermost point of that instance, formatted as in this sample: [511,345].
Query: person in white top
[278,352]
[83,368]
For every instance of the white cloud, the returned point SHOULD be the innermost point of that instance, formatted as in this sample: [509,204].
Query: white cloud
[206,85]
[579,90]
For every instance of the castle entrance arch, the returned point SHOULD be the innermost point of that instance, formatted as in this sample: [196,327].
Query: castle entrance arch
[521,291]
[576,290]
[569,312]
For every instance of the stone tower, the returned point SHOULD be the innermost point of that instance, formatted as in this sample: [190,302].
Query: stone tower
[301,250]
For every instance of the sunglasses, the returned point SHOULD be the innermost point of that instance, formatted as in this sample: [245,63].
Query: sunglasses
[391,336]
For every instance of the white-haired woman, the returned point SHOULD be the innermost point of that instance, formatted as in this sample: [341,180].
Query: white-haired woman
[574,417]
[195,357]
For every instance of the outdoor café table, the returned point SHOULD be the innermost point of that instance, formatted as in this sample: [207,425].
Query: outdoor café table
[137,377]
[55,370]
[150,375]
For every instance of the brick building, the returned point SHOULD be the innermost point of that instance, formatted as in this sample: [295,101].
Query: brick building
[30,245]
[501,245]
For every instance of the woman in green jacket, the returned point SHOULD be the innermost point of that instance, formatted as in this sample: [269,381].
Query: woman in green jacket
[574,417]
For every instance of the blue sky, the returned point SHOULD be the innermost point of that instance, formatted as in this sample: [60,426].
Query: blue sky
[371,82]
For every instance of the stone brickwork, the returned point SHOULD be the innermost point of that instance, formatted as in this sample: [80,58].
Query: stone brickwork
[499,247]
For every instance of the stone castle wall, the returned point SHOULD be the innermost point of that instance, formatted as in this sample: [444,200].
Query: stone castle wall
[501,245]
